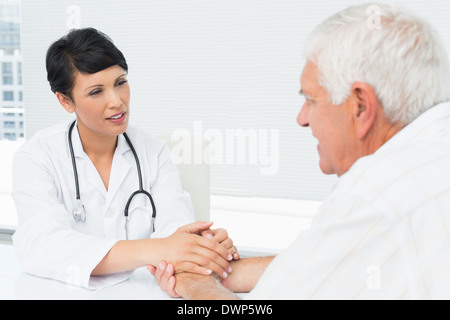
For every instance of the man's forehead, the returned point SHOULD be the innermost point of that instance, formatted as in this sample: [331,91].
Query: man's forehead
[309,80]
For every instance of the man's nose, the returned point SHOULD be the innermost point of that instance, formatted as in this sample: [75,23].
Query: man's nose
[302,118]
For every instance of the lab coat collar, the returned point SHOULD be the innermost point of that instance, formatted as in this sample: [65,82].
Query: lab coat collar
[122,145]
[119,169]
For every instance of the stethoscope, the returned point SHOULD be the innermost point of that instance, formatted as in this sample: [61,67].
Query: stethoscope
[79,213]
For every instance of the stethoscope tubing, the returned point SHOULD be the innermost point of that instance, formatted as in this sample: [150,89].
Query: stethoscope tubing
[74,163]
[78,216]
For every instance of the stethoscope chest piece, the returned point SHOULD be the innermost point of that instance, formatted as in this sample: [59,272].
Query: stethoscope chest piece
[79,213]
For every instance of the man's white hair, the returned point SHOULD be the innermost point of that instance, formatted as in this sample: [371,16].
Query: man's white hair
[398,54]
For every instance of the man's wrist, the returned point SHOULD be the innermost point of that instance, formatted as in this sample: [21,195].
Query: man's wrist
[199,287]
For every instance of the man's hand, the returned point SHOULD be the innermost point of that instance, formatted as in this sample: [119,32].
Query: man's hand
[164,276]
[246,273]
[189,285]
[196,287]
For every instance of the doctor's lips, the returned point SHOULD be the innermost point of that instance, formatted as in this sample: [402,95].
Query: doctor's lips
[117,118]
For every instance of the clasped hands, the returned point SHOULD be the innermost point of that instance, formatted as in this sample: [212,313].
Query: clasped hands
[203,251]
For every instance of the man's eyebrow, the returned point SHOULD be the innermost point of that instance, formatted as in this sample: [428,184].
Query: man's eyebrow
[303,93]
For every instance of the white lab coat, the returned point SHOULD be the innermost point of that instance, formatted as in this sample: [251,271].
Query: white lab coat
[50,243]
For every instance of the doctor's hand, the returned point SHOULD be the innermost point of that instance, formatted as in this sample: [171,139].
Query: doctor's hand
[188,251]
[221,236]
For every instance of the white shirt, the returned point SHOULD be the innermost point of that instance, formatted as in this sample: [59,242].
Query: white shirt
[384,231]
[50,243]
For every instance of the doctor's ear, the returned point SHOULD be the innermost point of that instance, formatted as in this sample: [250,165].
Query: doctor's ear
[66,102]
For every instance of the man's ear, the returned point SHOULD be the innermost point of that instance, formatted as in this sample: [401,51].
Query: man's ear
[66,102]
[365,109]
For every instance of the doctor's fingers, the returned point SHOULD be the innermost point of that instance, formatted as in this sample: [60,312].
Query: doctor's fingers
[214,246]
[220,235]
[205,253]
[232,250]
[205,257]
[202,259]
[197,266]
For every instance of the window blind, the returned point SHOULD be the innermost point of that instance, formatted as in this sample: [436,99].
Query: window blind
[210,67]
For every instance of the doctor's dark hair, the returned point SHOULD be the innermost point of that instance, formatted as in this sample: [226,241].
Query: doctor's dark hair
[85,50]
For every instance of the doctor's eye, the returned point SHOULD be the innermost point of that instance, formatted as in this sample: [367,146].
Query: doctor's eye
[121,82]
[95,92]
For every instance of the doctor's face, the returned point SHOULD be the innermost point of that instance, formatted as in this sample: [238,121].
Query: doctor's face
[101,101]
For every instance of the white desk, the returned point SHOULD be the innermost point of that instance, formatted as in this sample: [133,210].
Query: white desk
[14,284]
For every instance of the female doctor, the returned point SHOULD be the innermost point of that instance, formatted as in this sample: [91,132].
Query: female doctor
[73,181]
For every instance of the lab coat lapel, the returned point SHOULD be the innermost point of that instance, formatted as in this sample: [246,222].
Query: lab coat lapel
[85,167]
[119,169]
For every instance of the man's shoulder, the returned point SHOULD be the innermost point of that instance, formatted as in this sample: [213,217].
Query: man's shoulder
[400,180]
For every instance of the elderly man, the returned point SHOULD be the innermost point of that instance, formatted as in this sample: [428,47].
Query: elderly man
[376,100]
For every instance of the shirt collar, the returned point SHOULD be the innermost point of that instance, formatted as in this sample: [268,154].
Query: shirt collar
[425,127]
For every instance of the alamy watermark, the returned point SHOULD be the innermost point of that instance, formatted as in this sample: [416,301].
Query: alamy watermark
[73,280]
[259,147]
[374,279]
[74,19]
[374,17]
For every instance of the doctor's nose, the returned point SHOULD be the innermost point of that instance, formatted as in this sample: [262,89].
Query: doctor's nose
[113,99]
